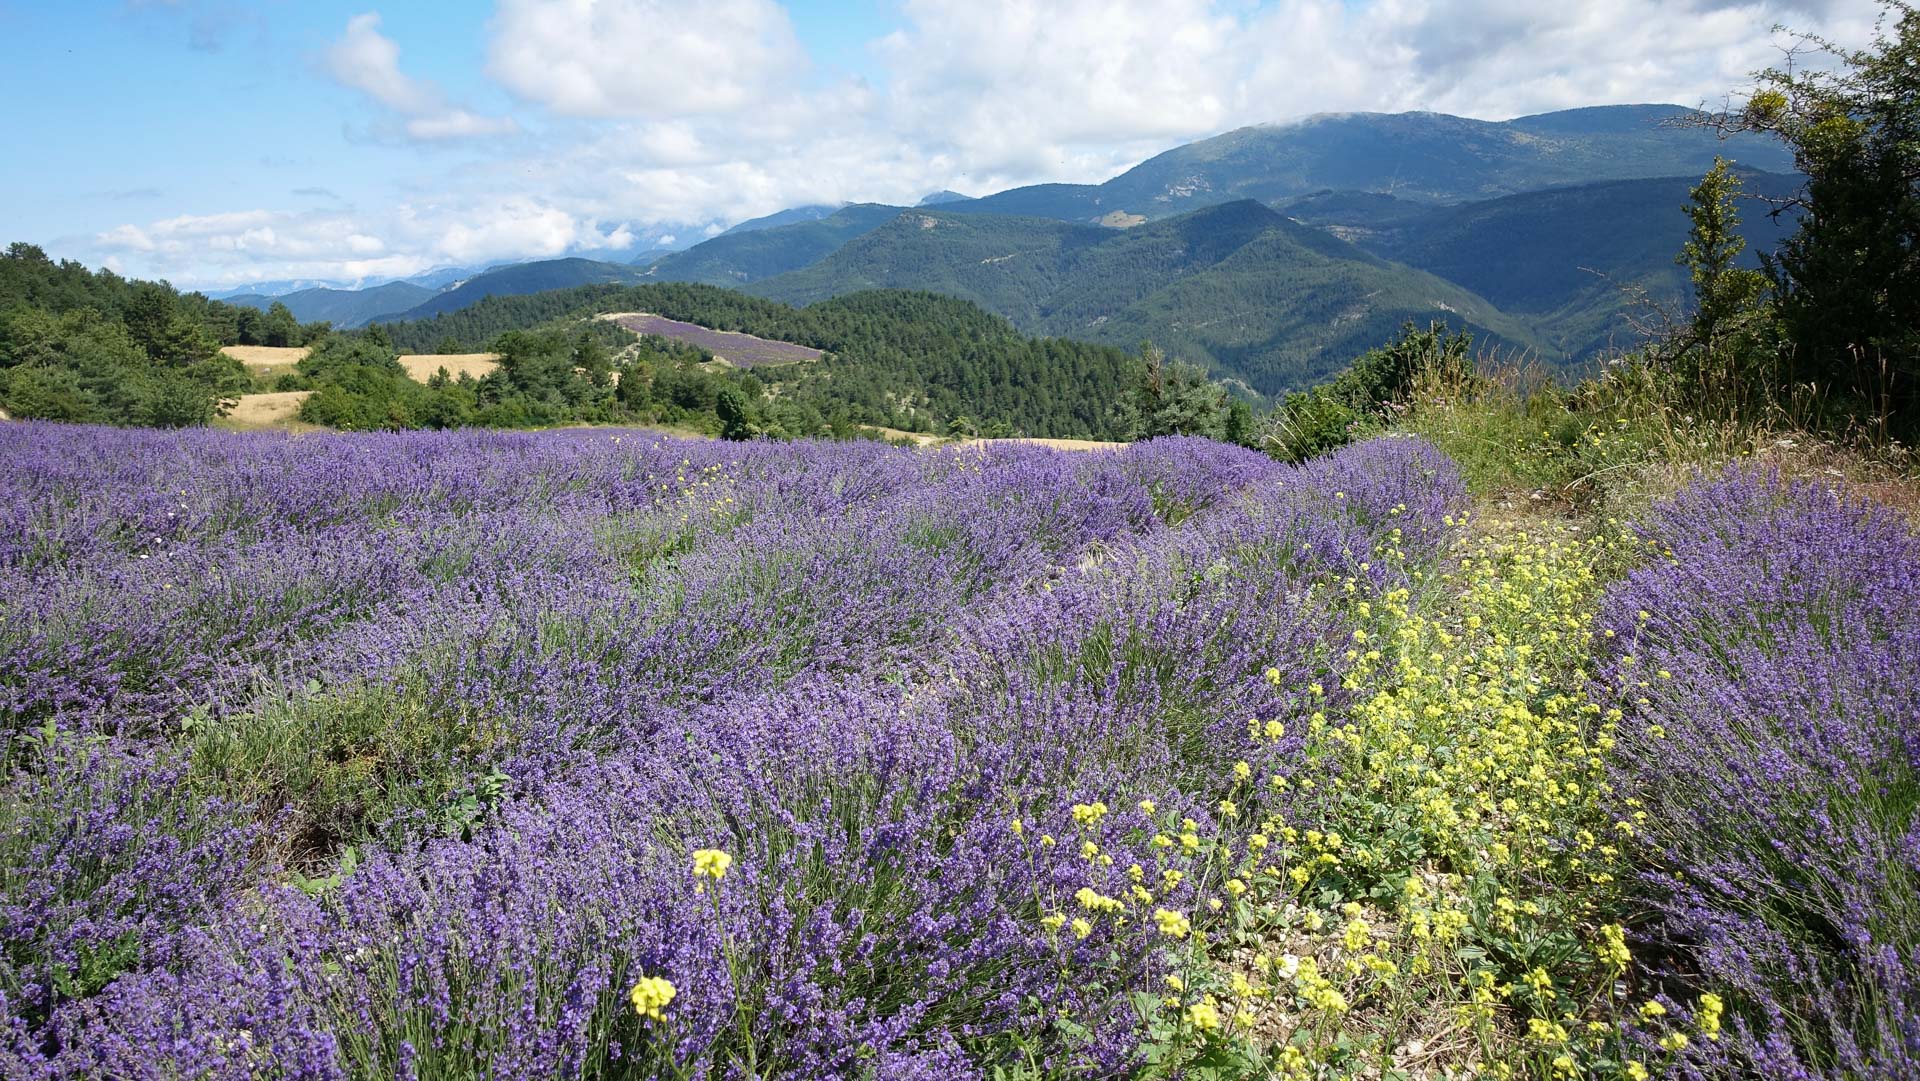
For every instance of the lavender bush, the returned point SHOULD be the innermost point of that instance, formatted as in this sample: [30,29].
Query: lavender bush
[1767,661]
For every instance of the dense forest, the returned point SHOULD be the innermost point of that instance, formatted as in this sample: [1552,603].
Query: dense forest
[93,347]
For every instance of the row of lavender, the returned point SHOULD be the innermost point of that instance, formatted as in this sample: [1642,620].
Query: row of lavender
[384,756]
[1767,662]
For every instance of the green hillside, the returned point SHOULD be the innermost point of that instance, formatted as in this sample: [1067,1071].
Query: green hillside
[1296,305]
[523,278]
[1004,264]
[1258,298]
[1572,260]
[743,255]
[94,347]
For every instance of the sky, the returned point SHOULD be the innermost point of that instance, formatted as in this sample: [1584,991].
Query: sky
[216,143]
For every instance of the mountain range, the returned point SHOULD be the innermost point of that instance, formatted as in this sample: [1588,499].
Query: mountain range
[1271,254]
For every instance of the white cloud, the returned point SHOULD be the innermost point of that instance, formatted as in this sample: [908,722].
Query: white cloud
[523,226]
[369,61]
[257,245]
[644,58]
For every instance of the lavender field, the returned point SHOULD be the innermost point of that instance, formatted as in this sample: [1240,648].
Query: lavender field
[739,350]
[599,754]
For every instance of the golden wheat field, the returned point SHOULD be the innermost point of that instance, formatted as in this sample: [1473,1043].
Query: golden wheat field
[421,366]
[279,409]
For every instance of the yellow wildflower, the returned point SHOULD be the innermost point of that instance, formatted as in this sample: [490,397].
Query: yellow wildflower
[650,997]
[1172,924]
[711,863]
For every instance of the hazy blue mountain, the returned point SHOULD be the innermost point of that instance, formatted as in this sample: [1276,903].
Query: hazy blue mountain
[650,256]
[1065,202]
[789,216]
[521,278]
[441,277]
[1420,157]
[941,196]
[1257,297]
[276,288]
[738,258]
[343,308]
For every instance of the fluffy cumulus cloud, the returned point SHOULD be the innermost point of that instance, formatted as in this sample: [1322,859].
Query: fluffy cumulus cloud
[645,58]
[369,61]
[682,116]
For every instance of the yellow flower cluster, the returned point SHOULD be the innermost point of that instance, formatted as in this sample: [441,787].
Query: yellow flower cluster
[711,863]
[650,997]
[1449,803]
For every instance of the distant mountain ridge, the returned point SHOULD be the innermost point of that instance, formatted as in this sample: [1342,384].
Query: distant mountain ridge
[522,278]
[790,216]
[344,308]
[736,257]
[1263,300]
[1421,157]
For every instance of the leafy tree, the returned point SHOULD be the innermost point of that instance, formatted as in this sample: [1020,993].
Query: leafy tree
[1173,399]
[1847,283]
[1723,358]
[731,407]
[1332,413]
[591,358]
[278,327]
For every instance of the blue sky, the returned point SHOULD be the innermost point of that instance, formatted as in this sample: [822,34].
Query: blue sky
[215,142]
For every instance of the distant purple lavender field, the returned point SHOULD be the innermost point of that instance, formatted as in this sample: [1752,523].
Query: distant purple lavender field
[739,350]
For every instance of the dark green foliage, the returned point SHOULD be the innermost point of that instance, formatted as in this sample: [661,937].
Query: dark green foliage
[1848,281]
[81,346]
[1723,361]
[731,408]
[1313,421]
[1179,399]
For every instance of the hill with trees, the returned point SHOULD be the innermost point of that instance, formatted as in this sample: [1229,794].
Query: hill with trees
[1572,262]
[1257,298]
[914,361]
[94,347]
